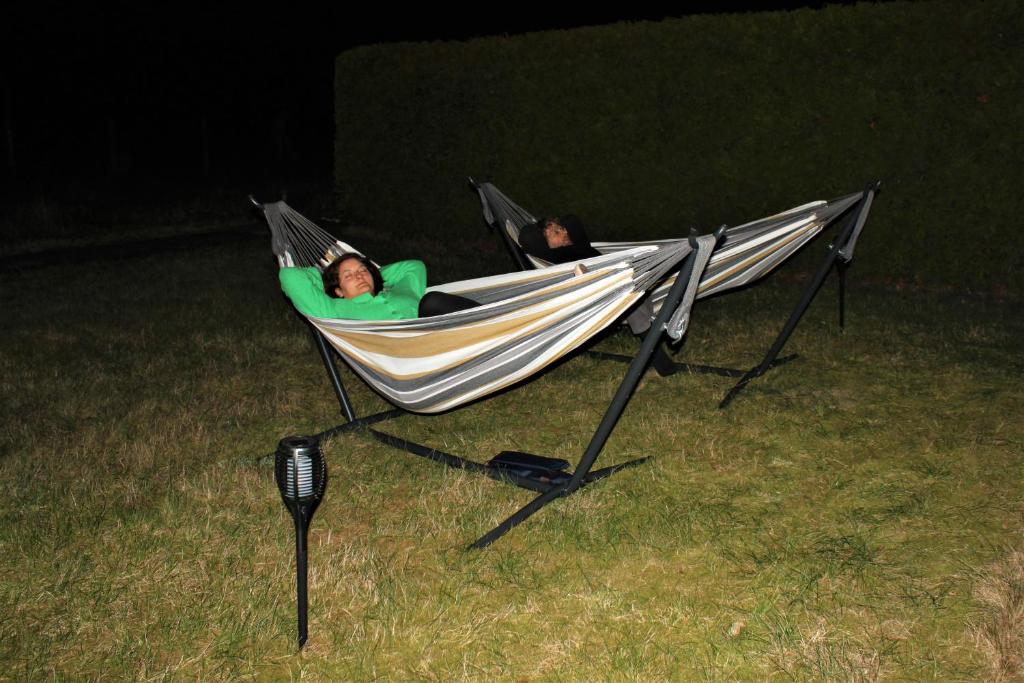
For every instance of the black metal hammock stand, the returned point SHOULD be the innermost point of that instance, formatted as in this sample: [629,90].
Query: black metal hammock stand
[551,313]
[557,310]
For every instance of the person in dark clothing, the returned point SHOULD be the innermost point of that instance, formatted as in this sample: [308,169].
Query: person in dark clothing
[562,239]
[558,239]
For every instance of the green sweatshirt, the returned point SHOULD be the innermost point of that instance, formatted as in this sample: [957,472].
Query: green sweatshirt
[404,284]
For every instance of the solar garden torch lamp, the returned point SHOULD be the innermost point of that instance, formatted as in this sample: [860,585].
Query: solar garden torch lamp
[301,475]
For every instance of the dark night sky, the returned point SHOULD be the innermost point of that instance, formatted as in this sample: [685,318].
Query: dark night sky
[223,93]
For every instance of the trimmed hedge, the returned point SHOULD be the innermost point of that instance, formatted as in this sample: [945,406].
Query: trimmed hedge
[649,128]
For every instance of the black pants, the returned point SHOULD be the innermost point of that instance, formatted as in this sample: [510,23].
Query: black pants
[439,303]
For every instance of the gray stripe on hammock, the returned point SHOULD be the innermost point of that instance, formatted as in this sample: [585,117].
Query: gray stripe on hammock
[680,318]
[846,253]
[439,387]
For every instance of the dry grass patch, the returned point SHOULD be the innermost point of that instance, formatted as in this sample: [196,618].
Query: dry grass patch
[999,631]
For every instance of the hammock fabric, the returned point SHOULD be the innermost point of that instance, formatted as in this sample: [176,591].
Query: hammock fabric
[527,320]
[745,254]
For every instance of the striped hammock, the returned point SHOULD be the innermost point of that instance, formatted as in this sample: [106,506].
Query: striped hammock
[745,254]
[527,320]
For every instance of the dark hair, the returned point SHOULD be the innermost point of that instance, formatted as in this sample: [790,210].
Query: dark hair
[332,282]
[544,220]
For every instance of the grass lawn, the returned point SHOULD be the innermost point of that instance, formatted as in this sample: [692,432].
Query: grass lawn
[856,514]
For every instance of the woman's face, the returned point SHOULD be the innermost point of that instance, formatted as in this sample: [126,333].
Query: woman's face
[354,279]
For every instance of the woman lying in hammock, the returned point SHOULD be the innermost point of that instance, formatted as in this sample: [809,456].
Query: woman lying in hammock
[353,287]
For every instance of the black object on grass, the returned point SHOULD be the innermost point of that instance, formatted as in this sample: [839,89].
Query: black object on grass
[301,475]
